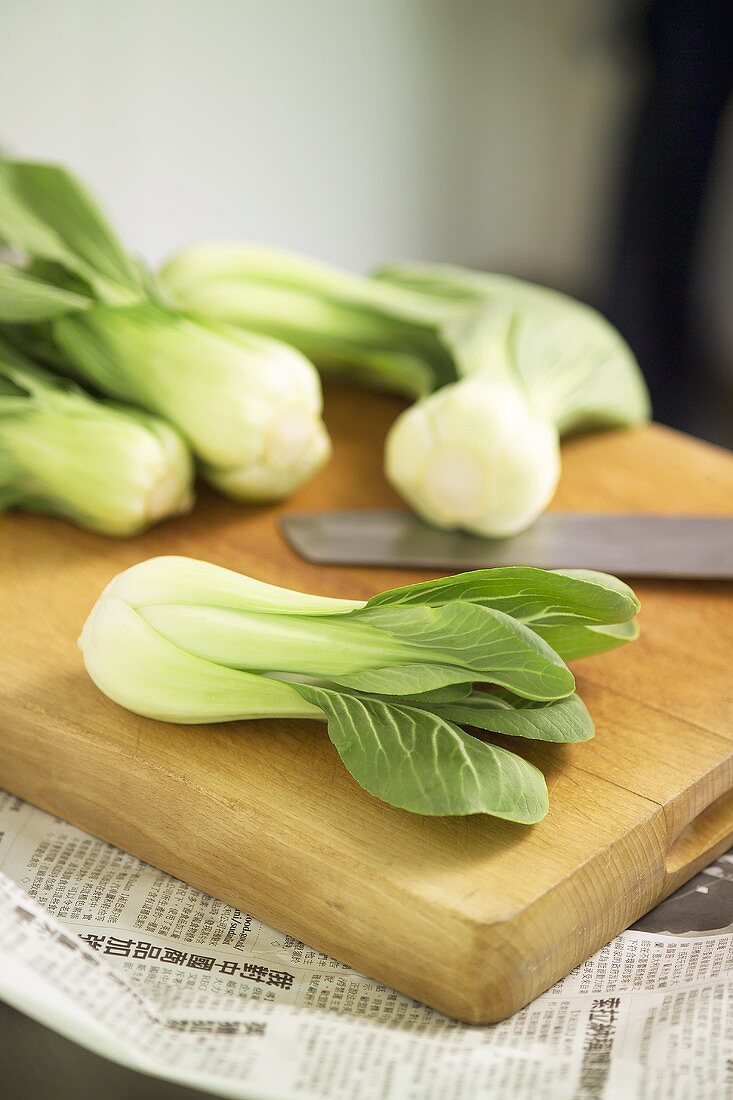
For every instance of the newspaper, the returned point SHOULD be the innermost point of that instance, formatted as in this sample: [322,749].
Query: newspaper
[143,969]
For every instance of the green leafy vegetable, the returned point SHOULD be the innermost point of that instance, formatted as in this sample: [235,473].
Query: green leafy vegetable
[475,454]
[395,678]
[513,367]
[485,641]
[249,406]
[107,467]
[574,640]
[138,668]
[578,612]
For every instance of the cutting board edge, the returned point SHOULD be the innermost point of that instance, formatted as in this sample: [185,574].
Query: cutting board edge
[507,947]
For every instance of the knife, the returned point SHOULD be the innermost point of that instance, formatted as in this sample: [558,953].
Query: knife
[635,545]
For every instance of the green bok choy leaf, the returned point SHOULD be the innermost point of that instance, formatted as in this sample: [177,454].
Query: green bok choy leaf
[576,368]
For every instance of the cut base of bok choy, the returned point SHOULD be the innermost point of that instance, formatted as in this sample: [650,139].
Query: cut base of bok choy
[109,468]
[475,455]
[396,678]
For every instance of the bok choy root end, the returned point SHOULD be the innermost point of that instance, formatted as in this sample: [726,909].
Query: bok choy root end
[396,678]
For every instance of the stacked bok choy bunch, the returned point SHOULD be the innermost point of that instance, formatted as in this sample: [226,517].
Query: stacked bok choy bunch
[396,678]
[499,369]
[249,407]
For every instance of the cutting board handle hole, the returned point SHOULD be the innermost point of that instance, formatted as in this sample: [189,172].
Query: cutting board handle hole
[706,836]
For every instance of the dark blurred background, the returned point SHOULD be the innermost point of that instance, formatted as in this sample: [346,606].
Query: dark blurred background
[673,195]
[586,144]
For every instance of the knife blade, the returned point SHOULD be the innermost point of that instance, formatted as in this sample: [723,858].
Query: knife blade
[693,547]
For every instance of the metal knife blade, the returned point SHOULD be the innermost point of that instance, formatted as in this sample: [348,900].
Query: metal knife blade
[693,547]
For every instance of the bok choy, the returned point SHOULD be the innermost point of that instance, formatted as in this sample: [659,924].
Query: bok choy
[110,468]
[396,678]
[480,455]
[249,406]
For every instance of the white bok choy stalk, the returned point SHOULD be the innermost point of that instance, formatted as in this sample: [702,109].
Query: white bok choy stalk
[396,677]
[249,406]
[482,456]
[375,334]
[110,468]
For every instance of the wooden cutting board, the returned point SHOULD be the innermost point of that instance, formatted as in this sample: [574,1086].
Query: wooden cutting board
[472,915]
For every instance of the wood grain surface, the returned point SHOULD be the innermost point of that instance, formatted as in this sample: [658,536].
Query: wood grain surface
[471,915]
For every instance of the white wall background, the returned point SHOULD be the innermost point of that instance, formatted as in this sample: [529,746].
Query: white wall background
[355,130]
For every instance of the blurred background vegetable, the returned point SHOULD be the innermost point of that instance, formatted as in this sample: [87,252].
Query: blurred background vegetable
[249,407]
[518,366]
[350,326]
[509,365]
[111,468]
